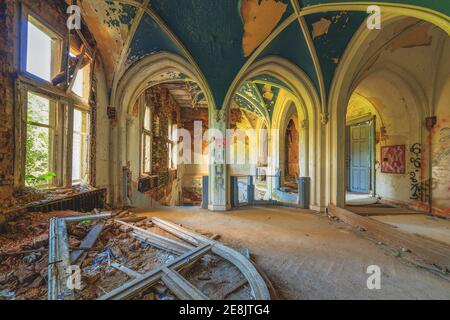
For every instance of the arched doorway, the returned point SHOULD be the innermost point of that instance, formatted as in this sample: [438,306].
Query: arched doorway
[298,97]
[157,98]
[292,144]
[387,71]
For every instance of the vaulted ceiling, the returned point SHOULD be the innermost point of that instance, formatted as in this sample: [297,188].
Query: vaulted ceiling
[223,36]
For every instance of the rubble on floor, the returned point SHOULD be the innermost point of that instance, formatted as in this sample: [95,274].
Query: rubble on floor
[113,253]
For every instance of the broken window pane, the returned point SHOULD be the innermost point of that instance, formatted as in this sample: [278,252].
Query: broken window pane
[79,83]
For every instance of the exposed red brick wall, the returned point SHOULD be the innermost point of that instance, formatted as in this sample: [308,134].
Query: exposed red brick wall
[7,38]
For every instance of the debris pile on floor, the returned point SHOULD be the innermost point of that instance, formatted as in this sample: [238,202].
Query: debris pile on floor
[119,255]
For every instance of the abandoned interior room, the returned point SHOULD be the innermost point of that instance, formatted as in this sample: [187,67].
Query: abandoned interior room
[224,150]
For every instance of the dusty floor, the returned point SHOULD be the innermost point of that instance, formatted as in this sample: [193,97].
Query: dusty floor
[430,227]
[307,256]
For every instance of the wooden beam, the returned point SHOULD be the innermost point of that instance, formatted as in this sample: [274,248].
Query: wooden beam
[140,284]
[77,68]
[128,271]
[88,217]
[183,289]
[430,251]
[58,261]
[88,241]
[379,211]
[157,240]
[257,284]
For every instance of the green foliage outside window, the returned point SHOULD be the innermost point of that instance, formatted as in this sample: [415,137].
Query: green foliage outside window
[37,162]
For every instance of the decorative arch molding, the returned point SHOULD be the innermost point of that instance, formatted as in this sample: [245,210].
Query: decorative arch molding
[405,80]
[392,9]
[133,83]
[347,77]
[145,73]
[297,80]
[365,101]
[303,94]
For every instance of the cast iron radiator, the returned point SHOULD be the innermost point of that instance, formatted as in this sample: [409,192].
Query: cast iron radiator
[83,202]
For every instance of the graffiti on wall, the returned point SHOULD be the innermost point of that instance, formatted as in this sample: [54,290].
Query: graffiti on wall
[416,162]
[393,159]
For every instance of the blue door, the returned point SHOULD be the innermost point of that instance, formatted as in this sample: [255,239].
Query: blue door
[360,158]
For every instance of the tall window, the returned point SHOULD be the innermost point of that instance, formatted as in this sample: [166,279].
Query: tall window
[39,143]
[171,145]
[43,50]
[147,140]
[80,154]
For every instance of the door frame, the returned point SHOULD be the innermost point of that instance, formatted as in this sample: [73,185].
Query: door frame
[371,119]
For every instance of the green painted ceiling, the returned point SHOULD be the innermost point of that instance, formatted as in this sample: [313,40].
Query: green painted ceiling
[212,31]
[331,46]
[260,94]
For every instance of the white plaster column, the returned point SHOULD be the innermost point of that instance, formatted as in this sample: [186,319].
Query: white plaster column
[219,182]
[303,149]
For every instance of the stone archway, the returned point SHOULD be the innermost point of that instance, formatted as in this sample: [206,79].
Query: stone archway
[306,100]
[150,71]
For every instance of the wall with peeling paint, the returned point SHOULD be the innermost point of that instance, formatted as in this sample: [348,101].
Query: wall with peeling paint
[7,36]
[441,138]
[406,79]
[102,159]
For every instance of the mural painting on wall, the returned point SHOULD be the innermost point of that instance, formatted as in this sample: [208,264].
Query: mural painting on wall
[393,159]
[192,191]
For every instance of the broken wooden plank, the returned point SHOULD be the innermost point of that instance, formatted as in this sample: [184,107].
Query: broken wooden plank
[128,271]
[59,268]
[88,241]
[378,211]
[136,286]
[157,244]
[52,292]
[159,241]
[431,251]
[183,289]
[257,283]
[234,287]
[89,217]
[132,219]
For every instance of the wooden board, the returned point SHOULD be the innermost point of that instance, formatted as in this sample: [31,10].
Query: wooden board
[430,251]
[257,284]
[183,289]
[374,211]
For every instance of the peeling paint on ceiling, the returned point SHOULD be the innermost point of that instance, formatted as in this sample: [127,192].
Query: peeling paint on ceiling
[416,36]
[110,24]
[320,27]
[149,39]
[221,34]
[259,17]
[330,46]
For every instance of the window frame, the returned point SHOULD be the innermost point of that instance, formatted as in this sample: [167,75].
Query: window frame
[54,136]
[57,58]
[86,78]
[87,137]
[171,145]
[146,133]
